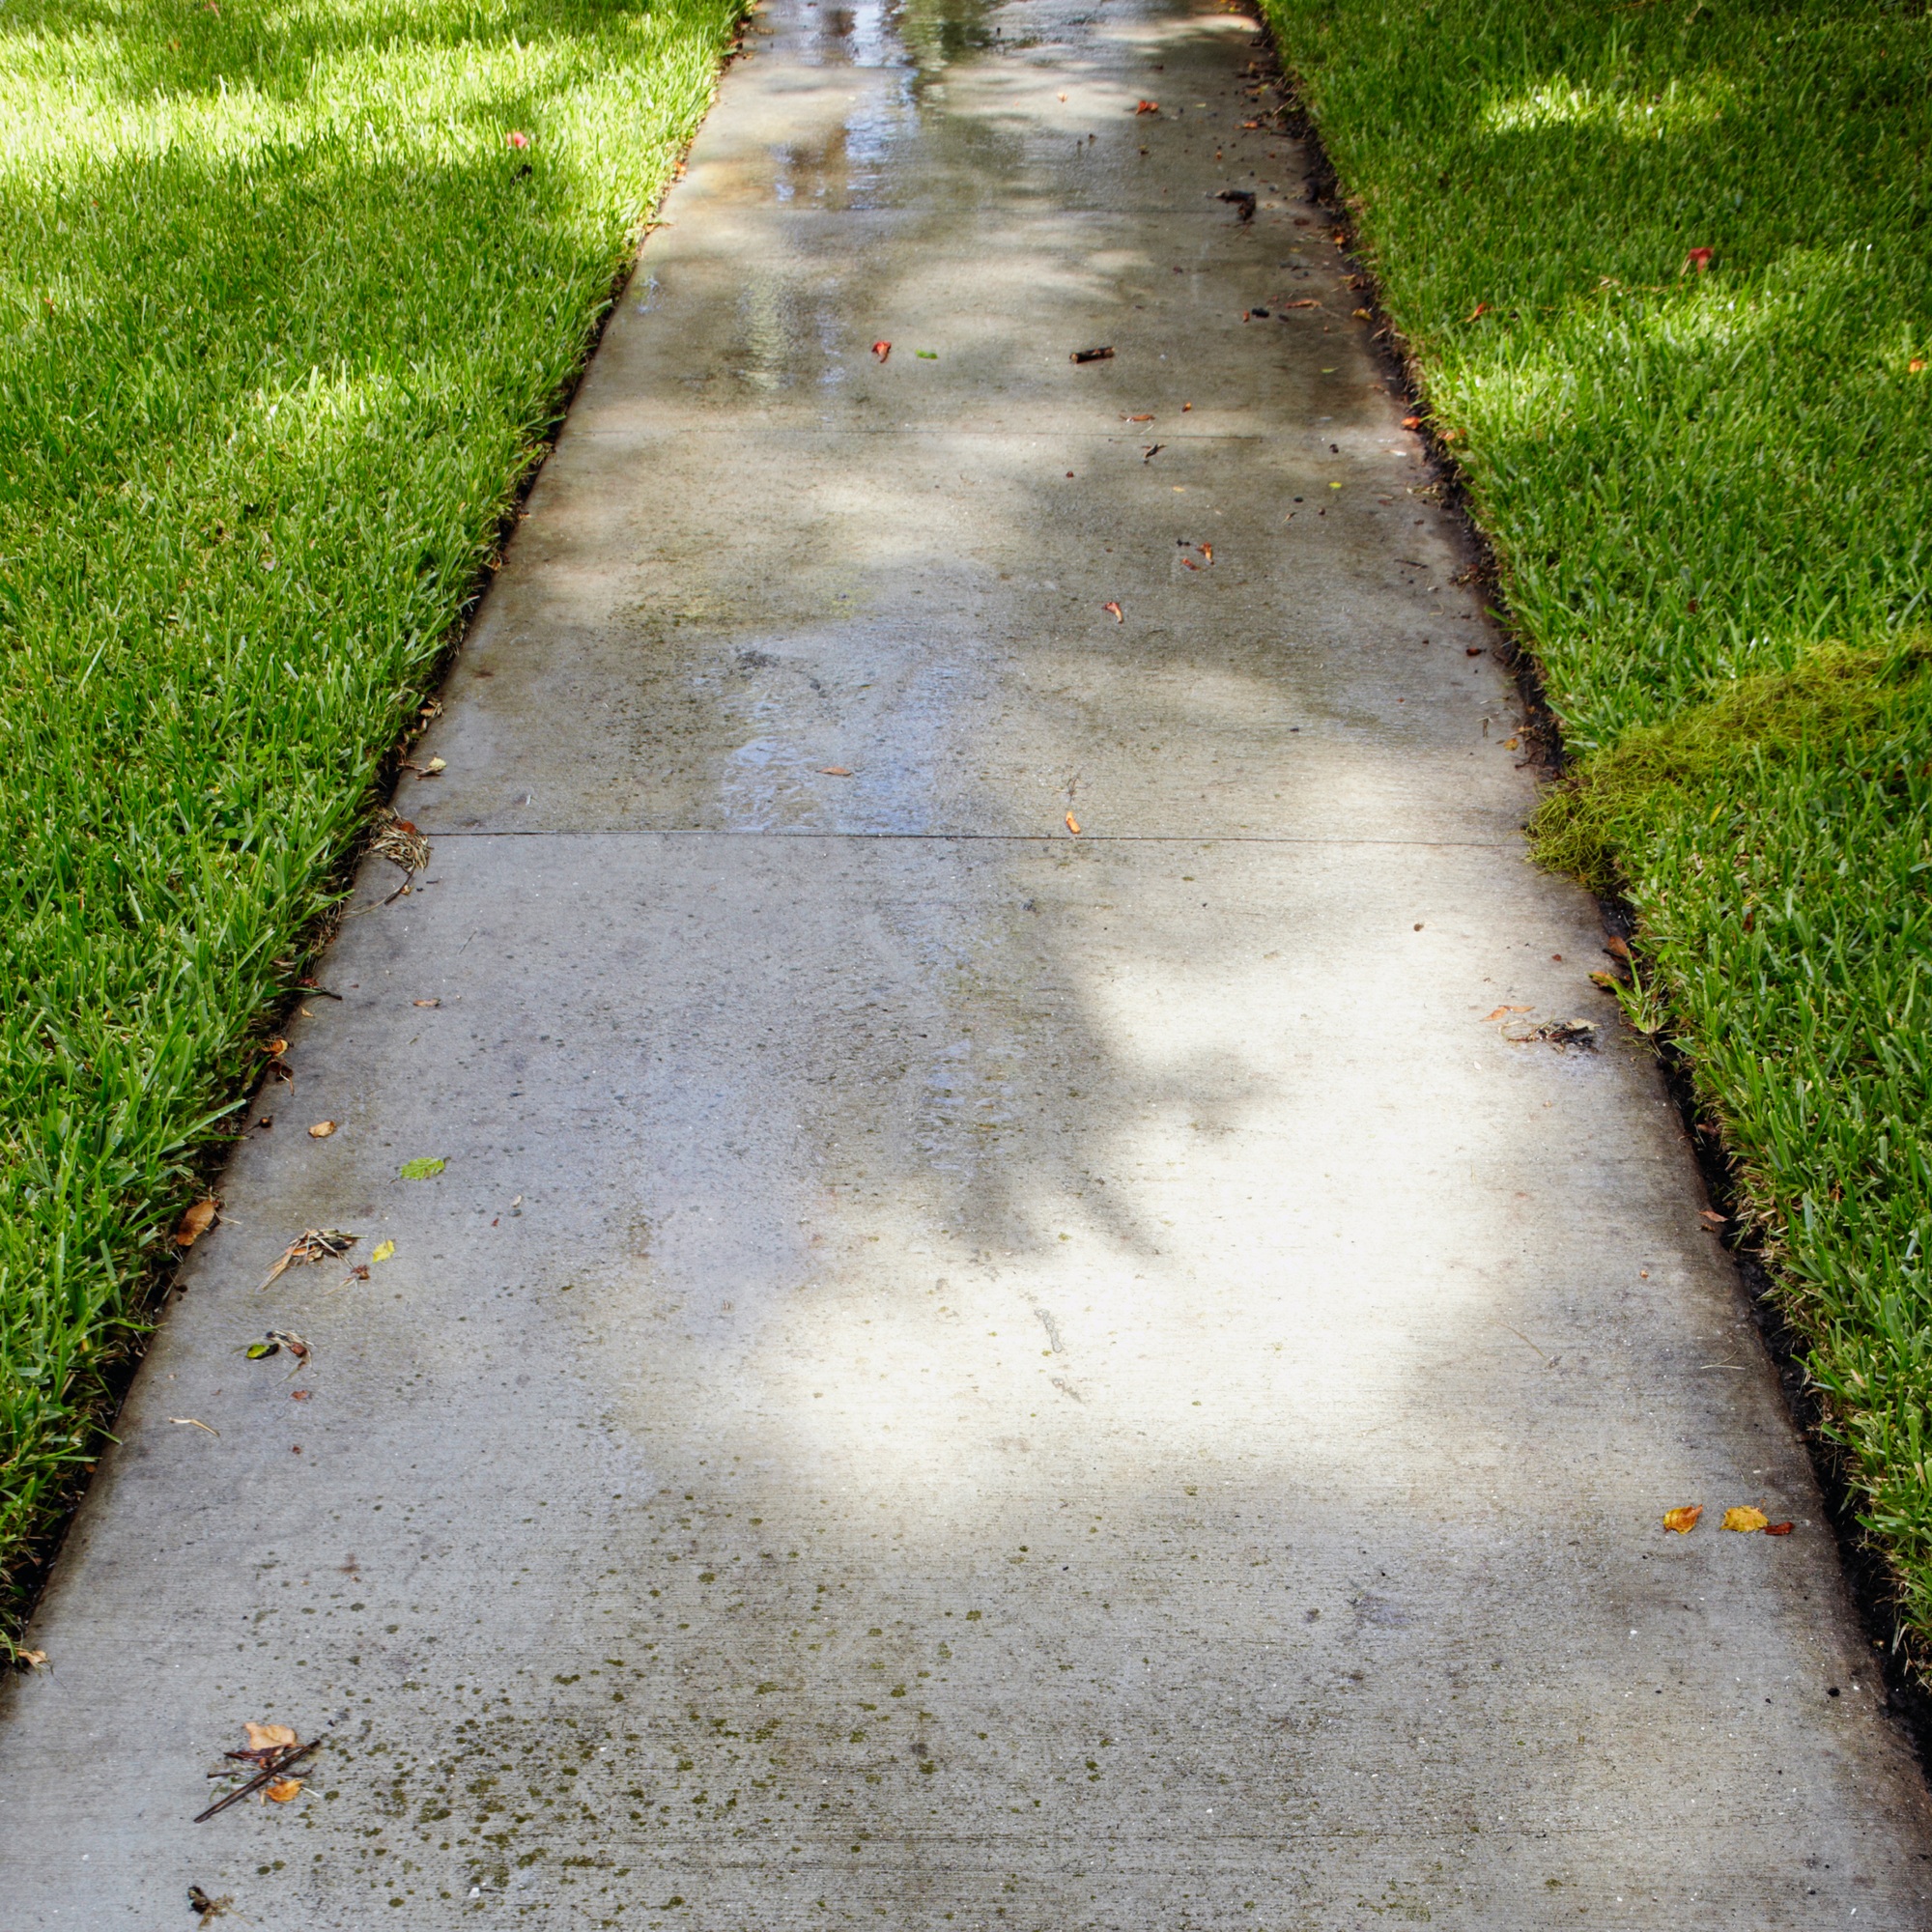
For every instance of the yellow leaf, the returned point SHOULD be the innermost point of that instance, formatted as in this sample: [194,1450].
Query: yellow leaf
[284,1788]
[322,1130]
[385,1252]
[1683,1521]
[1745,1520]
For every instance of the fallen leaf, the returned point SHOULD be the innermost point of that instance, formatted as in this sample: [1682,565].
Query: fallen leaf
[1251,124]
[1152,451]
[882,349]
[1608,981]
[425,1003]
[1502,1013]
[1243,200]
[1745,1520]
[435,765]
[283,1789]
[1412,422]
[1361,314]
[1481,308]
[204,1907]
[1146,107]
[33,1660]
[517,138]
[1147,419]
[196,1222]
[276,1048]
[835,771]
[300,1395]
[1114,610]
[425,1167]
[269,1737]
[188,1422]
[1074,825]
[926,355]
[1208,551]
[1188,564]
[322,1130]
[1778,1528]
[384,1252]
[1617,946]
[1683,1521]
[1510,744]
[1711,1218]
[1307,301]
[1091,356]
[1698,258]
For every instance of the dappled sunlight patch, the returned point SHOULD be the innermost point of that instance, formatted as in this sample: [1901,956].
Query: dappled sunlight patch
[1680,106]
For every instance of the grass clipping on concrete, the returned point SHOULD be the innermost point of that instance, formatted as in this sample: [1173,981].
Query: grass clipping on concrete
[290,295]
[1665,273]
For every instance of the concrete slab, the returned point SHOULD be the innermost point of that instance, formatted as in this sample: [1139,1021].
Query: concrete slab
[957,1374]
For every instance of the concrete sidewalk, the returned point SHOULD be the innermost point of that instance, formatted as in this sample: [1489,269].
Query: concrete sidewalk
[959,1375]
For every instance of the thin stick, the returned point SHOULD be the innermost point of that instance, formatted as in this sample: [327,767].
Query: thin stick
[295,1754]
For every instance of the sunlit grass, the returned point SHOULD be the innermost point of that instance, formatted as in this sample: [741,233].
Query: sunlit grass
[1709,491]
[284,319]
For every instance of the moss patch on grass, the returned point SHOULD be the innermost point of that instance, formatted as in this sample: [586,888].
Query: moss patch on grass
[286,315]
[1665,273]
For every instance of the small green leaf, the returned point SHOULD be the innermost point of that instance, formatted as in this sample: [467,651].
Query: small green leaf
[257,1350]
[926,355]
[422,1168]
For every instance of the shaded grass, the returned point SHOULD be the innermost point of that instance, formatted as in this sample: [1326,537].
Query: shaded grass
[284,320]
[1710,498]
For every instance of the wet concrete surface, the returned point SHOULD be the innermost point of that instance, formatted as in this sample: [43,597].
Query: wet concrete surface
[957,1374]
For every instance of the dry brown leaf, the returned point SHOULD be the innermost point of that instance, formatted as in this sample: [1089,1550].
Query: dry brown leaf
[1711,1218]
[276,1048]
[1503,1012]
[322,1130]
[33,1660]
[1745,1520]
[283,1789]
[1683,1521]
[264,1737]
[835,771]
[1112,609]
[1617,948]
[1074,825]
[1778,1528]
[1147,419]
[312,1244]
[196,1222]
[1307,301]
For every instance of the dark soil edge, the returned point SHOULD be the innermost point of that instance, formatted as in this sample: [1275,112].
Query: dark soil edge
[30,1567]
[1870,1581]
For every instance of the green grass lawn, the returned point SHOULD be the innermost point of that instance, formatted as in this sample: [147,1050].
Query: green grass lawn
[285,317]
[1710,493]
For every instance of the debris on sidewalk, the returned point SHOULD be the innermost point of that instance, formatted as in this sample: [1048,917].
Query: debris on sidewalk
[882,349]
[1556,1033]
[275,1342]
[1685,1519]
[205,1907]
[196,1222]
[322,1130]
[1093,355]
[425,1167]
[312,1244]
[403,846]
[1114,610]
[1243,199]
[191,1422]
[273,1748]
[1746,1519]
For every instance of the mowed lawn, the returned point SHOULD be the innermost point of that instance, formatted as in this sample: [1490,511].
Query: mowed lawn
[1666,268]
[286,314]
